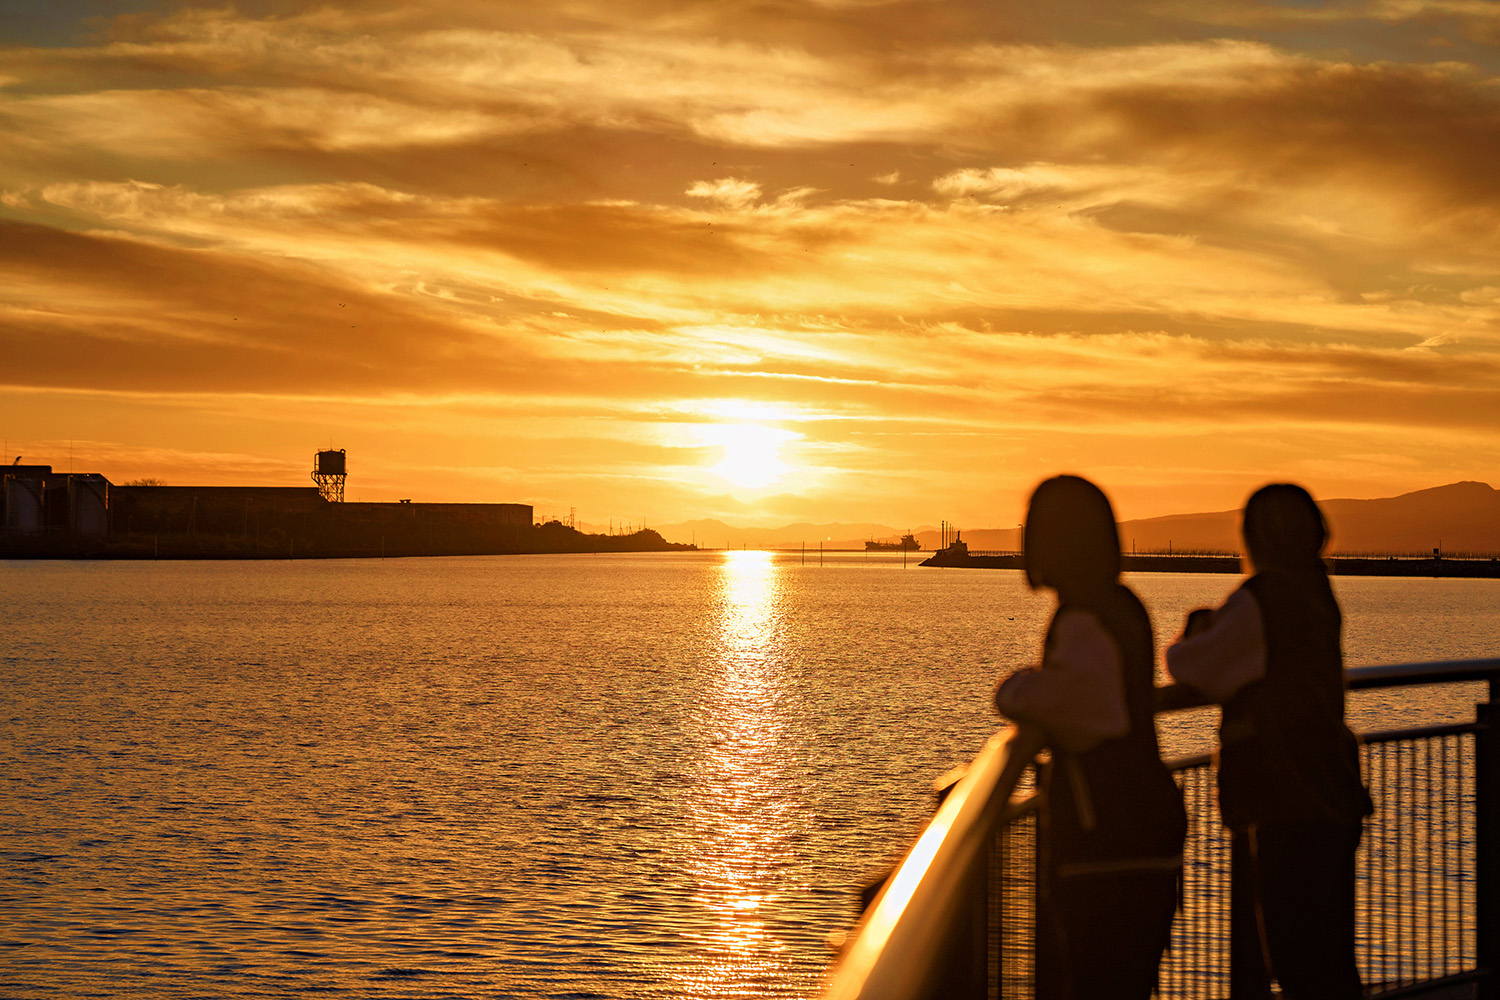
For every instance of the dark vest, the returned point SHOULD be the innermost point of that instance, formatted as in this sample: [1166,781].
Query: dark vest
[1116,801]
[1285,754]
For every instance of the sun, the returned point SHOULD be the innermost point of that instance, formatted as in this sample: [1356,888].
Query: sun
[751,454]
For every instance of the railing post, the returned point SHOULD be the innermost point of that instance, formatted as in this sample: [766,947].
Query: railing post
[975,954]
[1487,842]
[1047,969]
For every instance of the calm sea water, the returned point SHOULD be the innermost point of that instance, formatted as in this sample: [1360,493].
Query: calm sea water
[555,776]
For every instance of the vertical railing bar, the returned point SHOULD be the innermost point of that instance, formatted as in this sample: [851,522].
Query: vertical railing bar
[1190,888]
[1434,918]
[994,897]
[1382,869]
[1393,869]
[1372,831]
[1451,862]
[1004,834]
[1393,873]
[1377,876]
[1373,882]
[1471,782]
[1416,863]
[1170,985]
[1487,841]
[1451,960]
[1421,958]
[1451,824]
[1213,930]
[1413,928]
[1427,853]
[1430,863]
[1200,874]
[1400,853]
[1465,778]
[1371,910]
[1385,871]
[1219,930]
[1428,900]
[1458,824]
[1427,773]
[1463,826]
[1443,841]
[1365,882]
[1385,862]
[1408,869]
[1375,888]
[1190,897]
[1461,823]
[1485,844]
[1455,861]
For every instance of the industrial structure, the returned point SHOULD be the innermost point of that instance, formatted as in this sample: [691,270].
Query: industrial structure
[329,471]
[49,513]
[36,500]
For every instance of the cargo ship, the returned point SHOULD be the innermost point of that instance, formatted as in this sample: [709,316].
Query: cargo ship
[908,543]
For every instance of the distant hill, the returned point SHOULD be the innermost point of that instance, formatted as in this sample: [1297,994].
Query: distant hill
[714,534]
[1460,517]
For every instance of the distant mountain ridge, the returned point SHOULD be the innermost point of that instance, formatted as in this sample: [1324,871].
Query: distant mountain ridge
[714,534]
[1458,518]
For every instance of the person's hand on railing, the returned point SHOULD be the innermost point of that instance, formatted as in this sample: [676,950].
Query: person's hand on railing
[1175,697]
[998,700]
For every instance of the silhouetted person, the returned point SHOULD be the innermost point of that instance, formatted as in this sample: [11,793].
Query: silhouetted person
[1113,815]
[1289,784]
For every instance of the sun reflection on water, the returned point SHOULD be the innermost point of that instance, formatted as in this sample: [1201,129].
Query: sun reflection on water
[745,808]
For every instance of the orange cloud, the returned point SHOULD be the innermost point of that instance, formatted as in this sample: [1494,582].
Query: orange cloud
[1045,235]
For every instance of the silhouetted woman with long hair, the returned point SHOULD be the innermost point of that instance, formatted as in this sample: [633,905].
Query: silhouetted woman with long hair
[1289,782]
[1113,815]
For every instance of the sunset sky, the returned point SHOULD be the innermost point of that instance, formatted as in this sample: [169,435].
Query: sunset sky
[791,260]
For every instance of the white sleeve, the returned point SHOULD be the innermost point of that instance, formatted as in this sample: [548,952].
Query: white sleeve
[1227,656]
[1078,694]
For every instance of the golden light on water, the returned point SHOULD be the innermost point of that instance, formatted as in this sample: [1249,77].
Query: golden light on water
[743,808]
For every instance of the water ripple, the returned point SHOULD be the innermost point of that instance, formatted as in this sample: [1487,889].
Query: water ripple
[570,777]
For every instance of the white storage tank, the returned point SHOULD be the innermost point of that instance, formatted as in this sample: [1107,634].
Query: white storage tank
[23,505]
[88,505]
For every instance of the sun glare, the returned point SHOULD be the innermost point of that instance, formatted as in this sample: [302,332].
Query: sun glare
[751,454]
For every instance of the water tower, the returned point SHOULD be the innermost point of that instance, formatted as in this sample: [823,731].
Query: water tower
[328,473]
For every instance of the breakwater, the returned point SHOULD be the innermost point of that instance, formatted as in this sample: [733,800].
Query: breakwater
[1427,566]
[332,536]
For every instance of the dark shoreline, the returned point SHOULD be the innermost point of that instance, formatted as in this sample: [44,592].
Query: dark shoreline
[439,540]
[1161,563]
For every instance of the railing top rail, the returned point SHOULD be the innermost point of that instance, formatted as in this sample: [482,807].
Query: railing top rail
[890,953]
[1434,672]
[1174,697]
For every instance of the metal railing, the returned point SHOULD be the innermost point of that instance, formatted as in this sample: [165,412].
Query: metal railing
[957,918]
